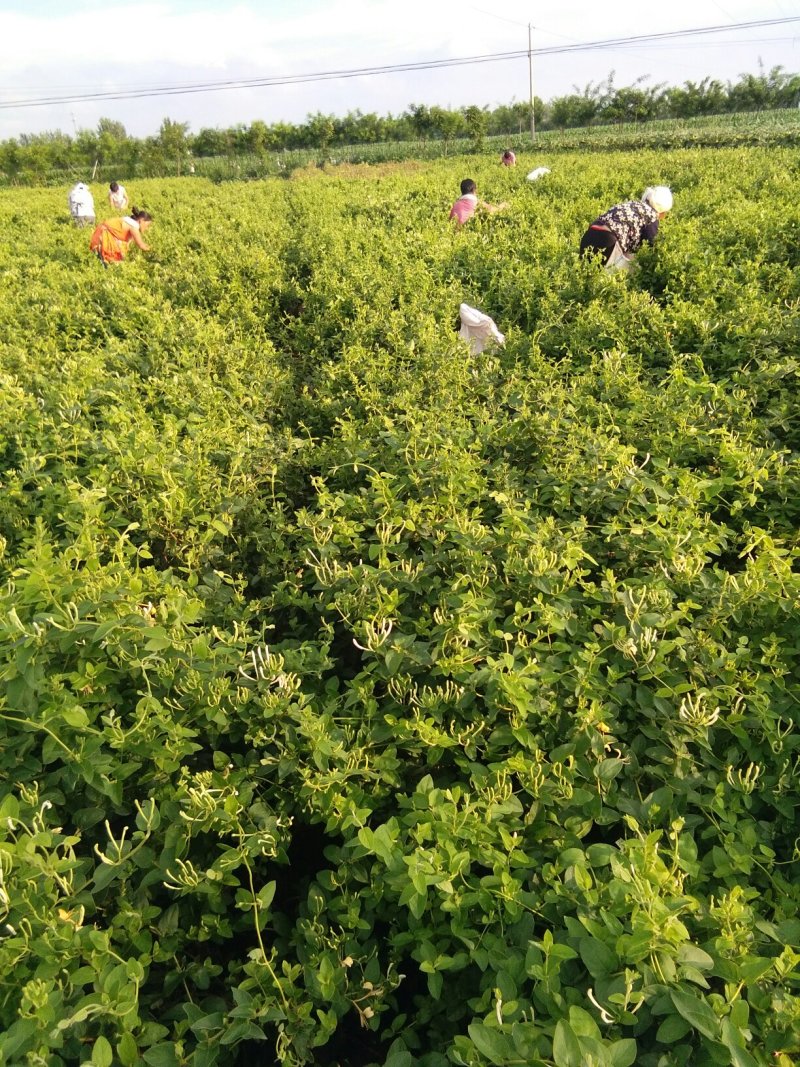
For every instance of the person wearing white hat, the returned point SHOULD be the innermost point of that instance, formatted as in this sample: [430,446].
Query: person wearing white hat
[618,234]
[81,204]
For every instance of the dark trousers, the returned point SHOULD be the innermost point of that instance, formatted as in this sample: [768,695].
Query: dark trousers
[598,242]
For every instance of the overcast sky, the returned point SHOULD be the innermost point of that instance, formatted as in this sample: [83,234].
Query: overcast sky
[56,48]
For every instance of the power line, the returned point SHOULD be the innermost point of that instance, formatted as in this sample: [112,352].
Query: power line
[392,68]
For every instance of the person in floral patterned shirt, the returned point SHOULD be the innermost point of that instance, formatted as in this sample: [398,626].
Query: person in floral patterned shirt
[618,234]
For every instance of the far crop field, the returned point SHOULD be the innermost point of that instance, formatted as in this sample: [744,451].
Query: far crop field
[365,702]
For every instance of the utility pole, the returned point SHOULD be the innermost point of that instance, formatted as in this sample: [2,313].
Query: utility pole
[530,81]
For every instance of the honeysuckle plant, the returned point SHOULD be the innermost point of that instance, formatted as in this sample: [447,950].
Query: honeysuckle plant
[367,702]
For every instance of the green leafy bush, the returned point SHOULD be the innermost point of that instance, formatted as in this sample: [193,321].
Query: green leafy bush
[369,702]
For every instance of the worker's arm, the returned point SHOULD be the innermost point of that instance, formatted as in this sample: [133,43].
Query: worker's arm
[139,240]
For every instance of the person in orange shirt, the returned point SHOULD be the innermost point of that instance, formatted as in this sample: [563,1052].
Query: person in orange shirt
[112,238]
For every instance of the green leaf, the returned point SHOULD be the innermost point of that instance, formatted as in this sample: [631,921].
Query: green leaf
[242,1031]
[393,660]
[789,931]
[734,1041]
[380,842]
[672,1029]
[162,1055]
[566,1047]
[600,855]
[102,1053]
[755,968]
[492,1044]
[105,874]
[158,640]
[399,1058]
[740,1057]
[688,953]
[127,1050]
[582,1023]
[75,716]
[266,895]
[212,1021]
[696,1012]
[16,1037]
[608,769]
[326,976]
[600,960]
[623,1053]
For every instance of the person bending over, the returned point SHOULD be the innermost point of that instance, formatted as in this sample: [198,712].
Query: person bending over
[117,196]
[81,204]
[618,234]
[112,238]
[468,203]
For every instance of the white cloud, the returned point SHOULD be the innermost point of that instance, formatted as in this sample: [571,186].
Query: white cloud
[169,42]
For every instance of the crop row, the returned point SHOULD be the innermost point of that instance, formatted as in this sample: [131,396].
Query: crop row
[369,702]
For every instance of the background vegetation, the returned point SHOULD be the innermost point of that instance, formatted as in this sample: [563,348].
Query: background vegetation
[262,149]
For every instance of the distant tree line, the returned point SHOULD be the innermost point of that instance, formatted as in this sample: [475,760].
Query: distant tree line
[33,156]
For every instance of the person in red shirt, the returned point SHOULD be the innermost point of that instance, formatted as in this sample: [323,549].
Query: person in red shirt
[508,159]
[468,203]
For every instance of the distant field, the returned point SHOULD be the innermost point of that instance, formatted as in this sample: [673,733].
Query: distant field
[751,129]
[364,702]
[767,128]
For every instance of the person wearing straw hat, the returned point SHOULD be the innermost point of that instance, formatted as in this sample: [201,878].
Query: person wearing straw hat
[618,234]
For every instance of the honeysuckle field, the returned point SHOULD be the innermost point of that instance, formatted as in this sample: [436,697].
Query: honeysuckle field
[368,702]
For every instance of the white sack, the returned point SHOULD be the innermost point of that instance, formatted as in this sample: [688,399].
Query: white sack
[478,329]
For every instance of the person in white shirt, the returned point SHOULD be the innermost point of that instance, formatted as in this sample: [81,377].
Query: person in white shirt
[81,204]
[117,196]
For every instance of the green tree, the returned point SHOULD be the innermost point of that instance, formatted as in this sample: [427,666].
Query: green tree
[633,103]
[758,92]
[421,121]
[10,159]
[86,149]
[706,97]
[258,137]
[448,124]
[112,142]
[211,142]
[173,141]
[515,118]
[319,130]
[476,121]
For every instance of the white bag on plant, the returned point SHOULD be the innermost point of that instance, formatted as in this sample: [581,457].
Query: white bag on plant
[538,173]
[618,260]
[478,329]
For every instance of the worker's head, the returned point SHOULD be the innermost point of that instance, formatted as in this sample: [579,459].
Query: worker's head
[659,197]
[144,218]
[468,186]
[114,187]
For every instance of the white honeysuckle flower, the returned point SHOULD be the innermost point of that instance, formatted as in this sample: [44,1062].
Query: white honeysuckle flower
[603,1013]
